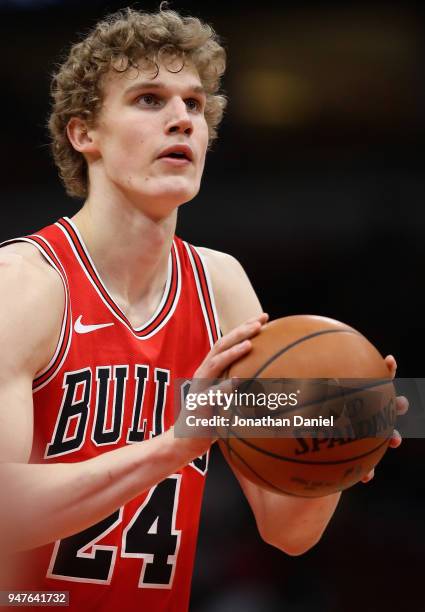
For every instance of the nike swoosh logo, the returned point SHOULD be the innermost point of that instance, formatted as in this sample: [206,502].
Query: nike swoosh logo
[80,328]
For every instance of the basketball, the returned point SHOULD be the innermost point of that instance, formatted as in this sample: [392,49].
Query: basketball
[333,371]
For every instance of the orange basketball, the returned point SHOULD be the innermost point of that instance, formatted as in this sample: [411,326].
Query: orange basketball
[336,372]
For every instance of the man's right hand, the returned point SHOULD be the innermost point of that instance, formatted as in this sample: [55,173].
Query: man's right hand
[228,349]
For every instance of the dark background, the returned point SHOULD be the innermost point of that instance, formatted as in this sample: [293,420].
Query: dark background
[316,185]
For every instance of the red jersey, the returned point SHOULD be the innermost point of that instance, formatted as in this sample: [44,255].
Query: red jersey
[110,384]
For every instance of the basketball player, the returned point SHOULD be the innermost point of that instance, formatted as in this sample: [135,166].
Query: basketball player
[102,312]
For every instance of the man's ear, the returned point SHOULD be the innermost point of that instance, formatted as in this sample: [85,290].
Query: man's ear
[81,136]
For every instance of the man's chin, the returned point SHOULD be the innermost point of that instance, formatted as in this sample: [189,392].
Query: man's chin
[162,205]
[177,194]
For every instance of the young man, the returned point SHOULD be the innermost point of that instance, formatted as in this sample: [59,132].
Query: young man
[104,311]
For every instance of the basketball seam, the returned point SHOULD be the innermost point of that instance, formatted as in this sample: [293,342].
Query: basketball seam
[299,341]
[301,461]
[270,484]
[344,393]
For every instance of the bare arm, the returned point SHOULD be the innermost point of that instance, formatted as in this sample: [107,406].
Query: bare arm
[67,498]
[292,524]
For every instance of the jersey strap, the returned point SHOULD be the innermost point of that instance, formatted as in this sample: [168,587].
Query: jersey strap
[54,365]
[205,292]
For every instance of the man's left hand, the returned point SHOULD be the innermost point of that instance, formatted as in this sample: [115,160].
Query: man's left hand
[402,406]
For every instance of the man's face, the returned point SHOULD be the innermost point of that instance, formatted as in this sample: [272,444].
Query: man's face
[151,136]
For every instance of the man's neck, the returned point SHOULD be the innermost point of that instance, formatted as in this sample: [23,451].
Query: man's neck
[130,251]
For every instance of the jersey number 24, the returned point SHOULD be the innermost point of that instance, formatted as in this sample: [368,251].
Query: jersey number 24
[150,535]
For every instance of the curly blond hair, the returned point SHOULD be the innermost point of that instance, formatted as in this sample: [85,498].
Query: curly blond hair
[117,43]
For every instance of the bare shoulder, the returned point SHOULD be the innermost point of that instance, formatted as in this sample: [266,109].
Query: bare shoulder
[226,273]
[21,262]
[235,297]
[32,305]
[221,264]
[22,253]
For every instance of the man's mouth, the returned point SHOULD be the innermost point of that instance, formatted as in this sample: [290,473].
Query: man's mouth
[175,156]
[178,154]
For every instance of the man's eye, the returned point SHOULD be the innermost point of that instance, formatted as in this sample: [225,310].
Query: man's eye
[148,100]
[193,104]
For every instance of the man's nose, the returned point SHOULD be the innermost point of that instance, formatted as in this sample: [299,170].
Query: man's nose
[179,120]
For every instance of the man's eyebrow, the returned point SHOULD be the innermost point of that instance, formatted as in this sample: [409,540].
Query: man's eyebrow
[159,85]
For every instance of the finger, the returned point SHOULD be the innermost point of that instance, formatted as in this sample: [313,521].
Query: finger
[402,405]
[226,386]
[395,439]
[247,330]
[369,476]
[262,318]
[215,365]
[391,364]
